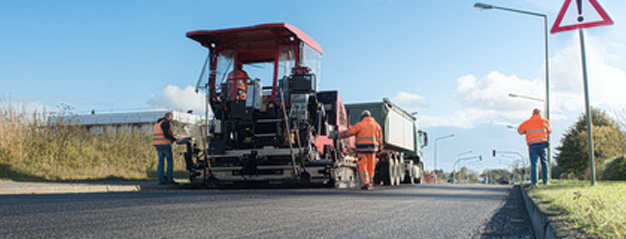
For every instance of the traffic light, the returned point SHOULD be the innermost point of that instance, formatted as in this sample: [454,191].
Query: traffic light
[480,157]
[493,152]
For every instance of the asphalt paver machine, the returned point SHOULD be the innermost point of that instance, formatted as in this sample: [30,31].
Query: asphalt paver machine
[269,122]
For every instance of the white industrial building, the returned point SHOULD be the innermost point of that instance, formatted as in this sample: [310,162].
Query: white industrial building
[129,122]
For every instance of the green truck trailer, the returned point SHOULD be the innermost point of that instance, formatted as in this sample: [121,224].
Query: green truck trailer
[401,159]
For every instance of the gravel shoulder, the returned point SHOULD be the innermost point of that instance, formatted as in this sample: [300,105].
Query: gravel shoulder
[509,220]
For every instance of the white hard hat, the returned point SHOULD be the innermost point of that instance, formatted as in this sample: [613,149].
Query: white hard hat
[365,113]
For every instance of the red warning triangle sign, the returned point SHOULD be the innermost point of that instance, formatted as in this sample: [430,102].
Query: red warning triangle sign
[580,14]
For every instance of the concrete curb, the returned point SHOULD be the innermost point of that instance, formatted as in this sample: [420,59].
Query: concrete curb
[21,188]
[542,222]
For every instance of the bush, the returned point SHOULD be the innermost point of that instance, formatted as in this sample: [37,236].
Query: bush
[609,141]
[616,168]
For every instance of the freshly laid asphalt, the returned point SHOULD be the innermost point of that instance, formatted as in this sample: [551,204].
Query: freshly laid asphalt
[407,211]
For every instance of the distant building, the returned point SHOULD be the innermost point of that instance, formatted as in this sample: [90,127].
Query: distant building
[131,122]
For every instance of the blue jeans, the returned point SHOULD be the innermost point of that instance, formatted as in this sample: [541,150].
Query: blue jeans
[165,151]
[536,152]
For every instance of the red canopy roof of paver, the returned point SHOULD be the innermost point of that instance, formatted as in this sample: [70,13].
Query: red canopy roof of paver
[257,42]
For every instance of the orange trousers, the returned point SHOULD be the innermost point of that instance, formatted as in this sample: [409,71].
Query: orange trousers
[367,165]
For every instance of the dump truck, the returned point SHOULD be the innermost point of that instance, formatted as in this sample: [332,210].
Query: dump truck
[270,122]
[401,158]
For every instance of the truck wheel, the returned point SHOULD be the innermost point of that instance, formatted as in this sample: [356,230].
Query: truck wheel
[387,171]
[420,172]
[396,171]
[401,170]
[410,177]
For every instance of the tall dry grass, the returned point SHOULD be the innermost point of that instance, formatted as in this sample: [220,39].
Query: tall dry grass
[32,150]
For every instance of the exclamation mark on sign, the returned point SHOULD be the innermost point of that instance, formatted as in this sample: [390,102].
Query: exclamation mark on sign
[579,3]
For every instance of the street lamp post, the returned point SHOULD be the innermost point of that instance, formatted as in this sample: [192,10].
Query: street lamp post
[540,100]
[453,166]
[485,6]
[435,153]
[479,157]
[512,153]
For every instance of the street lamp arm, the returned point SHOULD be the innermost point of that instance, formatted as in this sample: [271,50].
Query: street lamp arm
[456,163]
[512,152]
[520,11]
[444,137]
[435,153]
[464,153]
[527,97]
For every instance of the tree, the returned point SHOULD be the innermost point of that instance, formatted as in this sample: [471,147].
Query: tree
[616,168]
[609,141]
[466,175]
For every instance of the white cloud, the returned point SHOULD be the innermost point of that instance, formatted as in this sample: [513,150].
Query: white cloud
[175,98]
[485,100]
[408,101]
[607,82]
[464,119]
[491,92]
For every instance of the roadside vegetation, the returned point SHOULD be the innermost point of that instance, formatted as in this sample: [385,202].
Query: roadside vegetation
[599,211]
[32,150]
[609,147]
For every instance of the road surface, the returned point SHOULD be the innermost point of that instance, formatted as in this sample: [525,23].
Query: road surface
[408,211]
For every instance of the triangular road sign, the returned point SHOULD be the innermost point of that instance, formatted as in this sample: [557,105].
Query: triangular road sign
[580,14]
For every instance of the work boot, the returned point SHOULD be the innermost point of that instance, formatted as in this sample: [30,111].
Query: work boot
[365,187]
[370,188]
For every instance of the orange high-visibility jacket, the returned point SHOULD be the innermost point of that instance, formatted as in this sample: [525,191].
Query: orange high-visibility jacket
[158,138]
[536,129]
[240,80]
[368,135]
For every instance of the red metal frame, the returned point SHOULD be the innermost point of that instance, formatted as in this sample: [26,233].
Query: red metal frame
[260,43]
[280,30]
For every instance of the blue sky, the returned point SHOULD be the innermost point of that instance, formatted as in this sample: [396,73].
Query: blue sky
[452,63]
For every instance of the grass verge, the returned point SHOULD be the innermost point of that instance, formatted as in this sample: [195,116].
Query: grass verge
[599,211]
[33,150]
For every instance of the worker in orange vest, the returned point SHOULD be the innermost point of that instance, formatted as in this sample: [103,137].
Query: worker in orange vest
[368,139]
[536,130]
[239,79]
[162,138]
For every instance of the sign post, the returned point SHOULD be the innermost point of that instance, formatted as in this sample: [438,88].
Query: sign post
[577,17]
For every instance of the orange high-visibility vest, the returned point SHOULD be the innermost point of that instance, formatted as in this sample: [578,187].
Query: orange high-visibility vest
[158,138]
[240,81]
[368,135]
[536,129]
